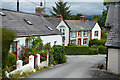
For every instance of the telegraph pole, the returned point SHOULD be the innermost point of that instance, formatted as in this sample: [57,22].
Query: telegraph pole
[17,5]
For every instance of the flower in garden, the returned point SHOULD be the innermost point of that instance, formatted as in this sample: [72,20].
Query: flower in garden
[40,55]
[35,52]
[45,56]
[42,59]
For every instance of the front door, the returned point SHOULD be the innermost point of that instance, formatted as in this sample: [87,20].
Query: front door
[79,41]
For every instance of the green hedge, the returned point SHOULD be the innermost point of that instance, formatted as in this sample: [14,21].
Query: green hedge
[77,50]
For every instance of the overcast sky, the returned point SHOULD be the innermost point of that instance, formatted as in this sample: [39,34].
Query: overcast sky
[56,0]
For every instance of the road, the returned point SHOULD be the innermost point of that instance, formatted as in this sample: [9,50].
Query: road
[76,67]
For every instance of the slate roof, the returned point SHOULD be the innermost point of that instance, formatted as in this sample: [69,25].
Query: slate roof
[15,21]
[77,25]
[54,21]
[113,39]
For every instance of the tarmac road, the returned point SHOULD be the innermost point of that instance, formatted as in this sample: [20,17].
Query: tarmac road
[76,67]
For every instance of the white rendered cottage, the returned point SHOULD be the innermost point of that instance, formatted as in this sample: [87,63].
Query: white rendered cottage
[26,25]
[113,39]
[77,32]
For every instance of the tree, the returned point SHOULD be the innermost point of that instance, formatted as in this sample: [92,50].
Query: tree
[7,38]
[75,17]
[61,8]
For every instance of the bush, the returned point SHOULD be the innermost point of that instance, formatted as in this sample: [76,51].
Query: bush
[59,54]
[77,50]
[93,51]
[47,46]
[97,42]
[11,59]
[7,38]
[102,49]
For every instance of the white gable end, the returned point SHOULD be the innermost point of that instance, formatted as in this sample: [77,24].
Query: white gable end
[94,30]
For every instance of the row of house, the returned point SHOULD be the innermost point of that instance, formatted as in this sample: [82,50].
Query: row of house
[78,32]
[55,31]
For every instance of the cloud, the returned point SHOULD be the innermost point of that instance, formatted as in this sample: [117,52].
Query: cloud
[55,0]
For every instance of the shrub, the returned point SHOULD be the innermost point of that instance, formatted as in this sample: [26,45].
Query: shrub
[47,46]
[43,56]
[93,51]
[24,54]
[97,42]
[59,54]
[77,50]
[7,38]
[102,49]
[11,59]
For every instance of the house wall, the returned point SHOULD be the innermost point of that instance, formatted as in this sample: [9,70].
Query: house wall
[113,60]
[96,28]
[62,23]
[46,39]
[82,37]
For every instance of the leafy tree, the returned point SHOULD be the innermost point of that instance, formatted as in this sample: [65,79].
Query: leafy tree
[47,46]
[7,38]
[61,8]
[75,17]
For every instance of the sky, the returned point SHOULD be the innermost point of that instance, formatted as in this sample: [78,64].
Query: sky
[56,0]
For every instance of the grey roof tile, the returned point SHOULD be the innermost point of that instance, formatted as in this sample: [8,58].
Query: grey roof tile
[77,25]
[14,21]
[113,39]
[54,21]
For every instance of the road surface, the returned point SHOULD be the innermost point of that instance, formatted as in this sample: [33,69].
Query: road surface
[76,67]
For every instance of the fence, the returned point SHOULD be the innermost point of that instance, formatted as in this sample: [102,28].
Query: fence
[30,66]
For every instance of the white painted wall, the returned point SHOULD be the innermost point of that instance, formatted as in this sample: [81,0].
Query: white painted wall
[46,39]
[113,62]
[96,28]
[52,39]
[62,23]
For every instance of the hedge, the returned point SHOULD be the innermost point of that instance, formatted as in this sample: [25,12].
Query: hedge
[77,50]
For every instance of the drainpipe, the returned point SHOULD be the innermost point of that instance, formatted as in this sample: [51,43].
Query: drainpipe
[107,59]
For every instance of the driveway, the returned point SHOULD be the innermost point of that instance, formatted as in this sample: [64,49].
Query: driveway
[76,67]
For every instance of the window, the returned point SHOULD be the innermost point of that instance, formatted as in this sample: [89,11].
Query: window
[2,14]
[96,33]
[62,31]
[63,39]
[73,34]
[85,41]
[14,47]
[73,41]
[79,34]
[27,21]
[49,28]
[85,34]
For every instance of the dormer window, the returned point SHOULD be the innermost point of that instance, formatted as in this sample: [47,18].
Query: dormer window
[27,21]
[49,28]
[2,14]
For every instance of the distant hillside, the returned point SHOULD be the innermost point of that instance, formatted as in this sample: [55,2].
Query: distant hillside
[90,17]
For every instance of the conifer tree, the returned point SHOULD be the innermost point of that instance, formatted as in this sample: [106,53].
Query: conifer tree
[61,8]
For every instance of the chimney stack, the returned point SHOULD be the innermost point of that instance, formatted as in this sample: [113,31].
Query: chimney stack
[59,16]
[82,18]
[39,10]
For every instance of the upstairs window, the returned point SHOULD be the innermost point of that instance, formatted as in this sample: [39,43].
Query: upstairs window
[79,34]
[73,34]
[96,33]
[85,34]
[62,31]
